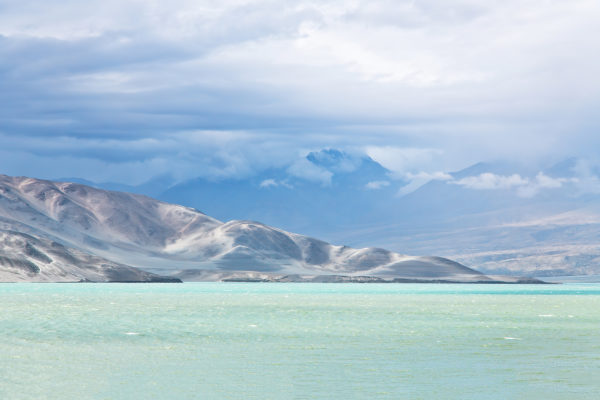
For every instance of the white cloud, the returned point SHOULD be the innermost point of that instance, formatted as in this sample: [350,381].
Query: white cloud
[429,176]
[402,160]
[489,181]
[525,187]
[542,181]
[375,185]
[268,183]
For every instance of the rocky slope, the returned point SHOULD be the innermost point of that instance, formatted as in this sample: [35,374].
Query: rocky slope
[165,238]
[29,258]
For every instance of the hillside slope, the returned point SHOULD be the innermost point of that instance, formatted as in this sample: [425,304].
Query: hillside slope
[166,238]
[30,258]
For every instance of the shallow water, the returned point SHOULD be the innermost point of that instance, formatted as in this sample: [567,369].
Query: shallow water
[299,341]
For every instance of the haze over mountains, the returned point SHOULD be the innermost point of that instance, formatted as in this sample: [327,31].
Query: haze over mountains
[500,217]
[58,231]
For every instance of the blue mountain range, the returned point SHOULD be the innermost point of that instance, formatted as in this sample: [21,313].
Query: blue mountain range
[475,215]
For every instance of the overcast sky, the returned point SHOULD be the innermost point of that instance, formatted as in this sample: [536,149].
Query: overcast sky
[123,90]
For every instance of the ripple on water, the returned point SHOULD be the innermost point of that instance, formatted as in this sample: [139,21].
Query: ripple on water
[279,341]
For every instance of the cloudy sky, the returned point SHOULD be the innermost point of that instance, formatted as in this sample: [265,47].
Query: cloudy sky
[123,90]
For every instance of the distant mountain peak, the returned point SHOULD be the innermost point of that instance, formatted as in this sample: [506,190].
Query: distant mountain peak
[334,160]
[326,157]
[338,161]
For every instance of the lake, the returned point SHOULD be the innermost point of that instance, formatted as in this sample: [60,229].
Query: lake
[299,341]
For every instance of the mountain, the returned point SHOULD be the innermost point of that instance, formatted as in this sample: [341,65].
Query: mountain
[506,218]
[503,217]
[31,258]
[300,197]
[95,225]
[328,190]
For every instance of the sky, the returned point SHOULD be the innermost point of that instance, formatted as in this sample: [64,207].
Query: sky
[125,90]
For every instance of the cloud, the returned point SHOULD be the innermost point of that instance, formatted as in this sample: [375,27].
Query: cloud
[416,180]
[586,176]
[541,182]
[302,168]
[489,181]
[524,186]
[422,86]
[268,183]
[375,185]
[546,182]
[214,155]
[402,160]
[428,176]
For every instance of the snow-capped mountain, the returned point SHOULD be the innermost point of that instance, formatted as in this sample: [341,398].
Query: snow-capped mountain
[501,217]
[164,238]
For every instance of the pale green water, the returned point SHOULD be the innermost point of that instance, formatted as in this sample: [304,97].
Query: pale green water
[299,341]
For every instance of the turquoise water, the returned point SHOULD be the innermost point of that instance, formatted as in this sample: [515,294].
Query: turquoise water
[299,341]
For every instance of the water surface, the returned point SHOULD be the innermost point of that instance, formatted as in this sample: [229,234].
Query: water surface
[299,341]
